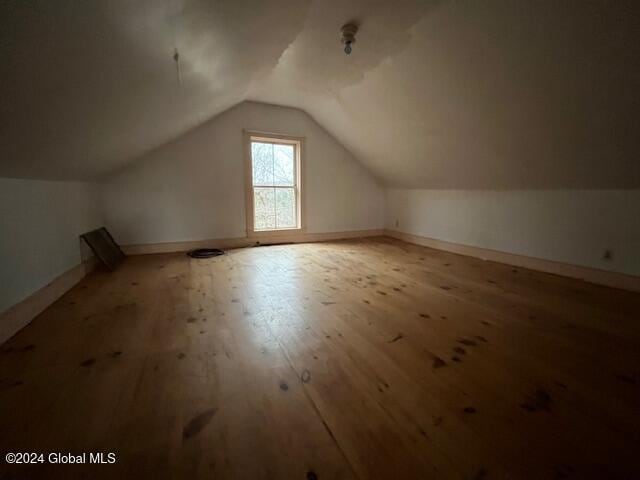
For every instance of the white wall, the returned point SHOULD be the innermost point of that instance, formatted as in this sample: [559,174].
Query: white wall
[193,188]
[40,222]
[571,226]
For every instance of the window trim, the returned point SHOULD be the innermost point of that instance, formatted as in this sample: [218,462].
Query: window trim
[268,137]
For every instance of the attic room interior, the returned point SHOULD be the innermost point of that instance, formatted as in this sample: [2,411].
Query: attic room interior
[305,239]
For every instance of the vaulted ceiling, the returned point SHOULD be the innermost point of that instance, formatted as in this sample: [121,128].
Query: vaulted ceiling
[436,94]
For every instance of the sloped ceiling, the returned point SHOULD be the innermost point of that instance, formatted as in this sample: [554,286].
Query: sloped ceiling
[437,94]
[90,85]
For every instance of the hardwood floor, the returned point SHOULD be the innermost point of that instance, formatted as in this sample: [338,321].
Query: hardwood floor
[368,359]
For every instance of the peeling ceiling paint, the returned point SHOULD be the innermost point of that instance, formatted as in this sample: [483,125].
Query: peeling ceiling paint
[436,94]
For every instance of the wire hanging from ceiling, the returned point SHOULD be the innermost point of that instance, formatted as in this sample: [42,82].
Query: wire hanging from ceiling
[172,15]
[176,58]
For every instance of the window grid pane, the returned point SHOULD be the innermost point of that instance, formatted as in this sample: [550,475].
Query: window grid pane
[262,163]
[283,165]
[285,208]
[264,205]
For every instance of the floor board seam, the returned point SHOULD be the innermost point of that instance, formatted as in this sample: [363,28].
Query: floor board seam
[315,407]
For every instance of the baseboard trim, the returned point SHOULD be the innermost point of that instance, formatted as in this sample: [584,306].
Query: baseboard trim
[593,275]
[22,313]
[229,243]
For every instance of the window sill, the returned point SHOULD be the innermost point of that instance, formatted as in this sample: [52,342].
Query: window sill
[279,231]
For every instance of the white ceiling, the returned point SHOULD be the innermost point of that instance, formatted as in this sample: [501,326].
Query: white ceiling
[437,94]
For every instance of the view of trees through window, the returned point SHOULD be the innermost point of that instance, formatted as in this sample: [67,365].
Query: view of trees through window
[274,186]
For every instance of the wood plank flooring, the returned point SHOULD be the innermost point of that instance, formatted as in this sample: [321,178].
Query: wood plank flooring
[366,359]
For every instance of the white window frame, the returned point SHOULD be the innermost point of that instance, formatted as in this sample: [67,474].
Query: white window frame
[278,139]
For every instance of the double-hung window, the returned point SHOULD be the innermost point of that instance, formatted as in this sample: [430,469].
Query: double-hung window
[274,200]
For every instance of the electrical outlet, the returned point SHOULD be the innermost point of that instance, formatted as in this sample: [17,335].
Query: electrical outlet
[607,255]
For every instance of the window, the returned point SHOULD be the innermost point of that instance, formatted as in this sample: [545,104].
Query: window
[274,200]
